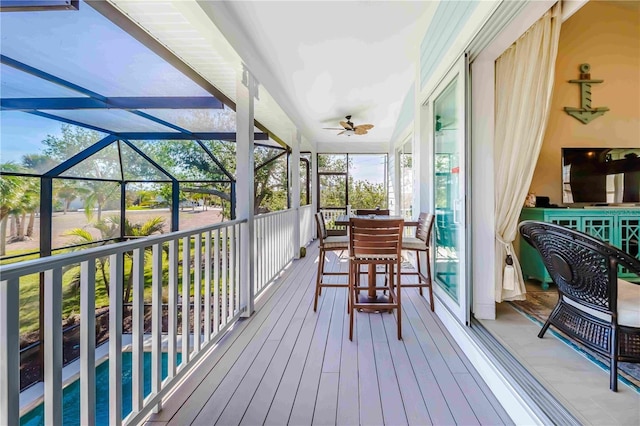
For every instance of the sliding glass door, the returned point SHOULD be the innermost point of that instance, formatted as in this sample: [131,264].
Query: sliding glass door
[449,180]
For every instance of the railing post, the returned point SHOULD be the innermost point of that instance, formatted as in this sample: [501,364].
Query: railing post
[173,307]
[156,322]
[53,347]
[10,353]
[115,339]
[197,290]
[88,342]
[186,296]
[137,331]
[246,90]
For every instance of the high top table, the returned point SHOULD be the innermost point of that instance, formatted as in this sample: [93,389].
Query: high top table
[372,296]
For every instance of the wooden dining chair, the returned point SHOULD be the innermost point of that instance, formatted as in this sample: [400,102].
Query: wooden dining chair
[327,244]
[421,243]
[375,242]
[377,212]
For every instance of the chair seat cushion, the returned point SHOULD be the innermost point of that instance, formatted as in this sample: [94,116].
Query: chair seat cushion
[375,257]
[628,305]
[413,243]
[337,242]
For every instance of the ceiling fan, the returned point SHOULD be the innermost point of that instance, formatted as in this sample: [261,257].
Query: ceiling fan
[349,129]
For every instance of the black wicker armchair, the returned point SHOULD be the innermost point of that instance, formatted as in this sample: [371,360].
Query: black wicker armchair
[585,271]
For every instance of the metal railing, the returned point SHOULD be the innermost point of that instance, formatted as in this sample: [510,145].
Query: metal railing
[274,246]
[210,299]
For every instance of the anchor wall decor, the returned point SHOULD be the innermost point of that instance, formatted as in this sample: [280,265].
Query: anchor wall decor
[585,114]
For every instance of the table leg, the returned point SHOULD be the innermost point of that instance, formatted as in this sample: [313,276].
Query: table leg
[372,296]
[372,281]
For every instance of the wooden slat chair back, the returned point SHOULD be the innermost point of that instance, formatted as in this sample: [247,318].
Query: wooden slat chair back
[327,244]
[377,212]
[585,271]
[421,243]
[375,242]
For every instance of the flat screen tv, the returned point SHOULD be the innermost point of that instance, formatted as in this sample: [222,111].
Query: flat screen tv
[601,175]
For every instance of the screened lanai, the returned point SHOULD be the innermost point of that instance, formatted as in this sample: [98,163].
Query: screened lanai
[103,141]
[96,124]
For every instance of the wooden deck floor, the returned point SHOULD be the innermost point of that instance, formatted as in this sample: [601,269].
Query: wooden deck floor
[290,365]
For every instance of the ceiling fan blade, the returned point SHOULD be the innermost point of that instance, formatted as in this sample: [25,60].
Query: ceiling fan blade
[333,128]
[346,125]
[344,131]
[360,131]
[364,126]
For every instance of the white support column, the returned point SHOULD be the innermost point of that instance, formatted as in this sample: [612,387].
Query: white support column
[247,90]
[295,191]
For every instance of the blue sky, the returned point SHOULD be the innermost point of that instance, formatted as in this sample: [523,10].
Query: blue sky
[22,133]
[368,167]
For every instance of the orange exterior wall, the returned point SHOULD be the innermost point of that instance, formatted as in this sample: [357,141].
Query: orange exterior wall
[606,35]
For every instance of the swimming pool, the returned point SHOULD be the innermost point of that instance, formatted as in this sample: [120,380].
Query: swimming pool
[71,394]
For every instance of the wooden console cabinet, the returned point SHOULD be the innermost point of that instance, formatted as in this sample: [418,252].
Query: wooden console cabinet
[619,226]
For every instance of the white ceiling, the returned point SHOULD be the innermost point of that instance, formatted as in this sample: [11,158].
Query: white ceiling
[318,60]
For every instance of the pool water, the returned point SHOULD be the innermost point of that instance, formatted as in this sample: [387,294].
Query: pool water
[71,394]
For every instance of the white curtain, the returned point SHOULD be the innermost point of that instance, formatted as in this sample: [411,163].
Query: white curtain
[524,85]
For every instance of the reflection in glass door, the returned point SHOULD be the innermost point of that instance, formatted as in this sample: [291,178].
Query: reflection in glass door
[405,164]
[449,194]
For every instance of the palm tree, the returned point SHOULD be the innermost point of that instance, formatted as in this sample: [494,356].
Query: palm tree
[110,229]
[29,203]
[98,193]
[68,192]
[139,230]
[11,190]
[84,237]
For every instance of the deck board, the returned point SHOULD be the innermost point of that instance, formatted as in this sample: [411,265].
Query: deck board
[369,389]
[459,407]
[415,407]
[290,365]
[185,404]
[327,404]
[304,403]
[348,390]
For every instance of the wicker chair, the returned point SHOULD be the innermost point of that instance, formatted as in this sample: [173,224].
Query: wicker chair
[327,243]
[421,244]
[585,271]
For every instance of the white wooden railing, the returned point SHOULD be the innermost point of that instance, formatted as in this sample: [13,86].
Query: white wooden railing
[330,216]
[212,299]
[273,245]
[307,225]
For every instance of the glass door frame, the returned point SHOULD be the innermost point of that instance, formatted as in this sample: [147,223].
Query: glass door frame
[461,309]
